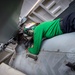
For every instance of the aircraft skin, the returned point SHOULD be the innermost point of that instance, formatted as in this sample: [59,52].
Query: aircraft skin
[54,55]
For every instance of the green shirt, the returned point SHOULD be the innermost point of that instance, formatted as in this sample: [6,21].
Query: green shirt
[47,29]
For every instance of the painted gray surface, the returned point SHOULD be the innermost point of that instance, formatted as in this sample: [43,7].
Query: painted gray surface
[48,10]
[50,61]
[26,7]
[60,43]
[9,17]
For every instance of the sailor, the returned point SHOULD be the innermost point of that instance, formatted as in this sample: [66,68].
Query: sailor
[51,29]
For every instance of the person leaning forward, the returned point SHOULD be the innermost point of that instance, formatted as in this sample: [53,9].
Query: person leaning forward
[50,29]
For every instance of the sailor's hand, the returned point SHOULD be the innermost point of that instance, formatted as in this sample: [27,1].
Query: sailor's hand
[28,54]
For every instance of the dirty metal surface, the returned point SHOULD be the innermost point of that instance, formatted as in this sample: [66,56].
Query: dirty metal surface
[51,61]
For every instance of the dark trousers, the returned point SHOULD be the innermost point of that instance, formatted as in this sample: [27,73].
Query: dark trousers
[68,23]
